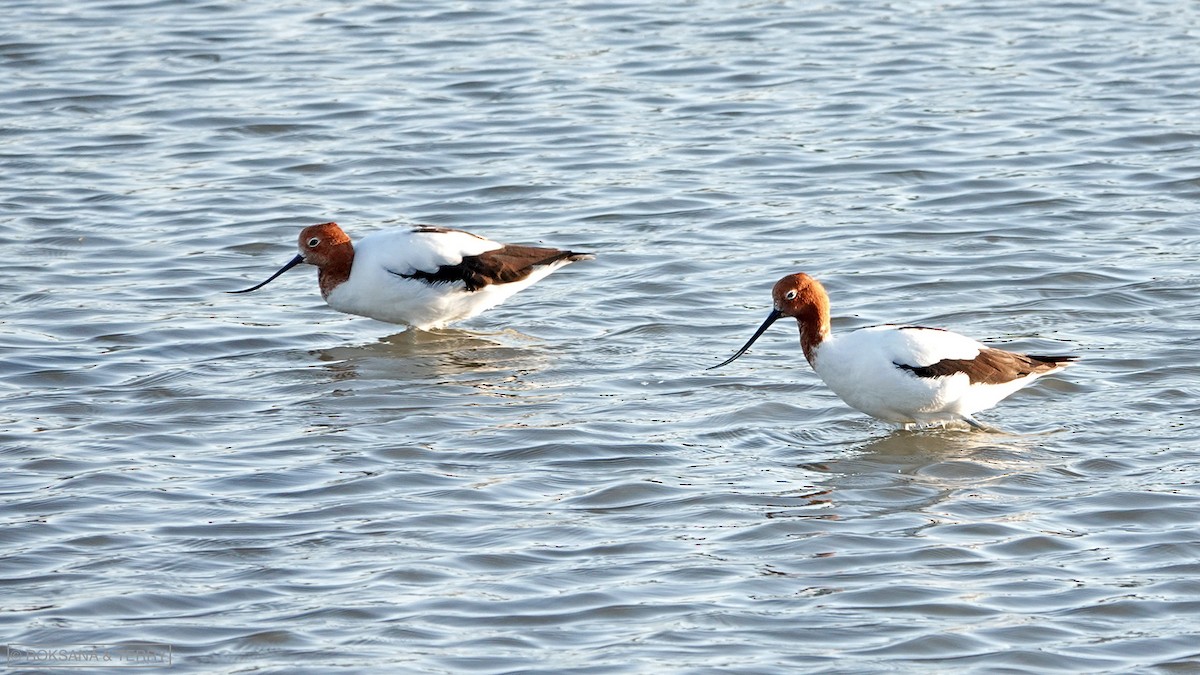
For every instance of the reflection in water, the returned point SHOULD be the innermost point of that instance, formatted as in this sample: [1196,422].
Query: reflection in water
[416,355]
[420,386]
[946,459]
[912,452]
[591,500]
[912,472]
[903,500]
[917,448]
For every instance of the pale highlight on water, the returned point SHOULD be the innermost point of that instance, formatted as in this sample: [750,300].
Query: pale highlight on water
[557,485]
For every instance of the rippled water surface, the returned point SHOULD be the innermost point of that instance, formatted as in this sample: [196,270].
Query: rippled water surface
[558,485]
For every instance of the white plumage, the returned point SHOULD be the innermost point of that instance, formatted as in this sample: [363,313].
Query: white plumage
[902,374]
[405,250]
[425,277]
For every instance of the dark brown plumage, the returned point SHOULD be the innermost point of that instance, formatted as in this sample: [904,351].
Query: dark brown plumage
[501,266]
[990,366]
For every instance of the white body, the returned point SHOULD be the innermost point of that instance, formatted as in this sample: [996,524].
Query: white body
[376,290]
[860,367]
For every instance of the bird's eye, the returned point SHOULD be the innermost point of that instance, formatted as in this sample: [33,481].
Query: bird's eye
[312,243]
[790,295]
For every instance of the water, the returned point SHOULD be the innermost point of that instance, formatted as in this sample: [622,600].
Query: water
[558,486]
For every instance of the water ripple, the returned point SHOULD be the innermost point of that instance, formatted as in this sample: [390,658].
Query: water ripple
[263,483]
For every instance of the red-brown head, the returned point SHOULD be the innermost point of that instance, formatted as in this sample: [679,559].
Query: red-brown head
[325,246]
[802,298]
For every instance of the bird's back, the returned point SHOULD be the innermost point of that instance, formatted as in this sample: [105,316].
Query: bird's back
[916,374]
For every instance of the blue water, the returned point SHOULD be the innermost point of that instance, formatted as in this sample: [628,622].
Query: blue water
[558,485]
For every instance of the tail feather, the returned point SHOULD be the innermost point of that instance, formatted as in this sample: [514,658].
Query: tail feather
[560,256]
[1049,363]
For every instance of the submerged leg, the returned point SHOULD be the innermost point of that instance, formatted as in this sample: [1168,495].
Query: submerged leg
[975,423]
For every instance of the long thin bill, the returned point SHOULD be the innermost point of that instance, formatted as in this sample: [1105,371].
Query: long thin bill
[292,263]
[775,314]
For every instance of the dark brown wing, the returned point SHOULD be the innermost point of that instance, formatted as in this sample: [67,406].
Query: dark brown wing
[991,366]
[501,266]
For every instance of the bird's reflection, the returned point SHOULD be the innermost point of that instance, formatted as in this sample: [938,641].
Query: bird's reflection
[908,452]
[436,354]
[907,472]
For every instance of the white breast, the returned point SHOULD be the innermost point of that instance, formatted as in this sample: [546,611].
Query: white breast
[861,368]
